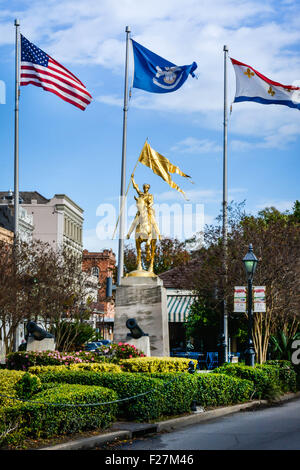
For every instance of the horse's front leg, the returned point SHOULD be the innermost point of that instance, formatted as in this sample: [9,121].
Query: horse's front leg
[153,248]
[138,242]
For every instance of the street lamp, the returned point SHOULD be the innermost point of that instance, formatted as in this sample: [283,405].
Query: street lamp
[250,263]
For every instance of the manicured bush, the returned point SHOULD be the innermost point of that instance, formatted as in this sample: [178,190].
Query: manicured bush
[46,415]
[27,386]
[287,374]
[8,380]
[146,406]
[221,390]
[22,360]
[156,364]
[265,378]
[97,367]
[178,392]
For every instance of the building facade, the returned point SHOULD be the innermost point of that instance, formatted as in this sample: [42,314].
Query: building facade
[102,265]
[7,217]
[57,221]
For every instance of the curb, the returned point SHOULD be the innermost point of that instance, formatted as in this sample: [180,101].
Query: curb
[91,442]
[138,429]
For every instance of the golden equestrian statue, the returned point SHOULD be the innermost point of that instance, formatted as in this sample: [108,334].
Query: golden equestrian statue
[146,229]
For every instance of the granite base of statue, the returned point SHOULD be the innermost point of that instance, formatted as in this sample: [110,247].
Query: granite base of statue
[39,339]
[143,299]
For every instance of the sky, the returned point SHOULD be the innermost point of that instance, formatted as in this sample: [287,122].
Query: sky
[78,153]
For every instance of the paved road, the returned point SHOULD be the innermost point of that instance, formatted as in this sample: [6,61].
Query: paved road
[275,428]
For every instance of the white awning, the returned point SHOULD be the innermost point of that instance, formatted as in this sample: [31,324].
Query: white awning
[179,304]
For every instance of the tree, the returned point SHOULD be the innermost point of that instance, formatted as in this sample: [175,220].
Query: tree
[276,242]
[41,284]
[170,252]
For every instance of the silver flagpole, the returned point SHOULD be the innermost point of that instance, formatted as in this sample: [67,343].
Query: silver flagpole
[123,168]
[225,204]
[16,149]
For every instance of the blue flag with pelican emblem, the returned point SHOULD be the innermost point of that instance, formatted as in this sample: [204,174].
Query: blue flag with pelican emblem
[156,74]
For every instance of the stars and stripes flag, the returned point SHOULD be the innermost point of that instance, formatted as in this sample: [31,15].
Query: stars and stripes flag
[251,85]
[39,69]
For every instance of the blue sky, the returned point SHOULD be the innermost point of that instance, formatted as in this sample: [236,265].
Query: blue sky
[65,150]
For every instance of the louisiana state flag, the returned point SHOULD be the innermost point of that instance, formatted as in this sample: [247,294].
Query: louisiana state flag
[156,74]
[251,85]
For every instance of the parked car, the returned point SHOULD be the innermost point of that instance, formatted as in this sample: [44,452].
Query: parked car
[91,346]
[104,342]
[94,345]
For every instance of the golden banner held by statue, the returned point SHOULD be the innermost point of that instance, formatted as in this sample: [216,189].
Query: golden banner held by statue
[160,165]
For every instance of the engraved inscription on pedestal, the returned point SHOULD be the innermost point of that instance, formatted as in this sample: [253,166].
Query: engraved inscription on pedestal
[145,300]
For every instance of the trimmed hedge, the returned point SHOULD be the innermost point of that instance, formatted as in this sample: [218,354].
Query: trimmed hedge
[156,364]
[268,381]
[221,390]
[142,408]
[47,418]
[8,380]
[287,374]
[97,367]
[178,392]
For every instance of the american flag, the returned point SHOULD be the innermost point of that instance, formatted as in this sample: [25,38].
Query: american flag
[39,69]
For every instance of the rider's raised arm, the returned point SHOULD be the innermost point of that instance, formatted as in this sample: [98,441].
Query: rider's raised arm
[136,186]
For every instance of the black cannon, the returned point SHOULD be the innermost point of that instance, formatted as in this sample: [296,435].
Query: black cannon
[135,331]
[37,332]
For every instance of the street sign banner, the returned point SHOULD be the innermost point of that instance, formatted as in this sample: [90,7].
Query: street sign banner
[259,299]
[240,299]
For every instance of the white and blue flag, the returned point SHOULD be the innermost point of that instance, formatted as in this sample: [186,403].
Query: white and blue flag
[156,74]
[251,85]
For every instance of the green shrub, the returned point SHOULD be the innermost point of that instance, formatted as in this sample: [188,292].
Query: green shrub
[221,390]
[156,364]
[265,378]
[47,417]
[145,407]
[22,360]
[8,380]
[97,367]
[178,392]
[27,386]
[287,375]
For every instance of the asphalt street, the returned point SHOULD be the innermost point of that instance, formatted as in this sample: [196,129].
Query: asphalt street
[272,428]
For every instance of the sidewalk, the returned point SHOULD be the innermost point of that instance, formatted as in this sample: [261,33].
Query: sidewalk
[130,430]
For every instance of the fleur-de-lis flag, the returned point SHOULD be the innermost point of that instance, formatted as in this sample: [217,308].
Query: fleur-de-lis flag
[251,85]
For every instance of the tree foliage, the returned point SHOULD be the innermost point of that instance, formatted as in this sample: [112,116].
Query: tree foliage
[170,252]
[41,284]
[275,238]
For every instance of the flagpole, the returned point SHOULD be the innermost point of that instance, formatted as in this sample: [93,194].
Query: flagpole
[225,207]
[123,167]
[16,145]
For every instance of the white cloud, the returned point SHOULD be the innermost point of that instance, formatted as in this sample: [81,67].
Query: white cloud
[92,242]
[192,145]
[264,34]
[282,206]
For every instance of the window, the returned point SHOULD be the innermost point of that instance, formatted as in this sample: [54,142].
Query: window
[95,271]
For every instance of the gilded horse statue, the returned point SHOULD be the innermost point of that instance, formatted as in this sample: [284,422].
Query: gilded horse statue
[146,229]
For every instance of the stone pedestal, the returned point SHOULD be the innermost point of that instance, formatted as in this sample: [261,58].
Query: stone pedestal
[47,344]
[142,344]
[145,300]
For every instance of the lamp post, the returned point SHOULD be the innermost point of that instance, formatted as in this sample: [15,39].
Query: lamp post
[250,263]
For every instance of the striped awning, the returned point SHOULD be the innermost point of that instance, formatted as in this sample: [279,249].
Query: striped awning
[178,304]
